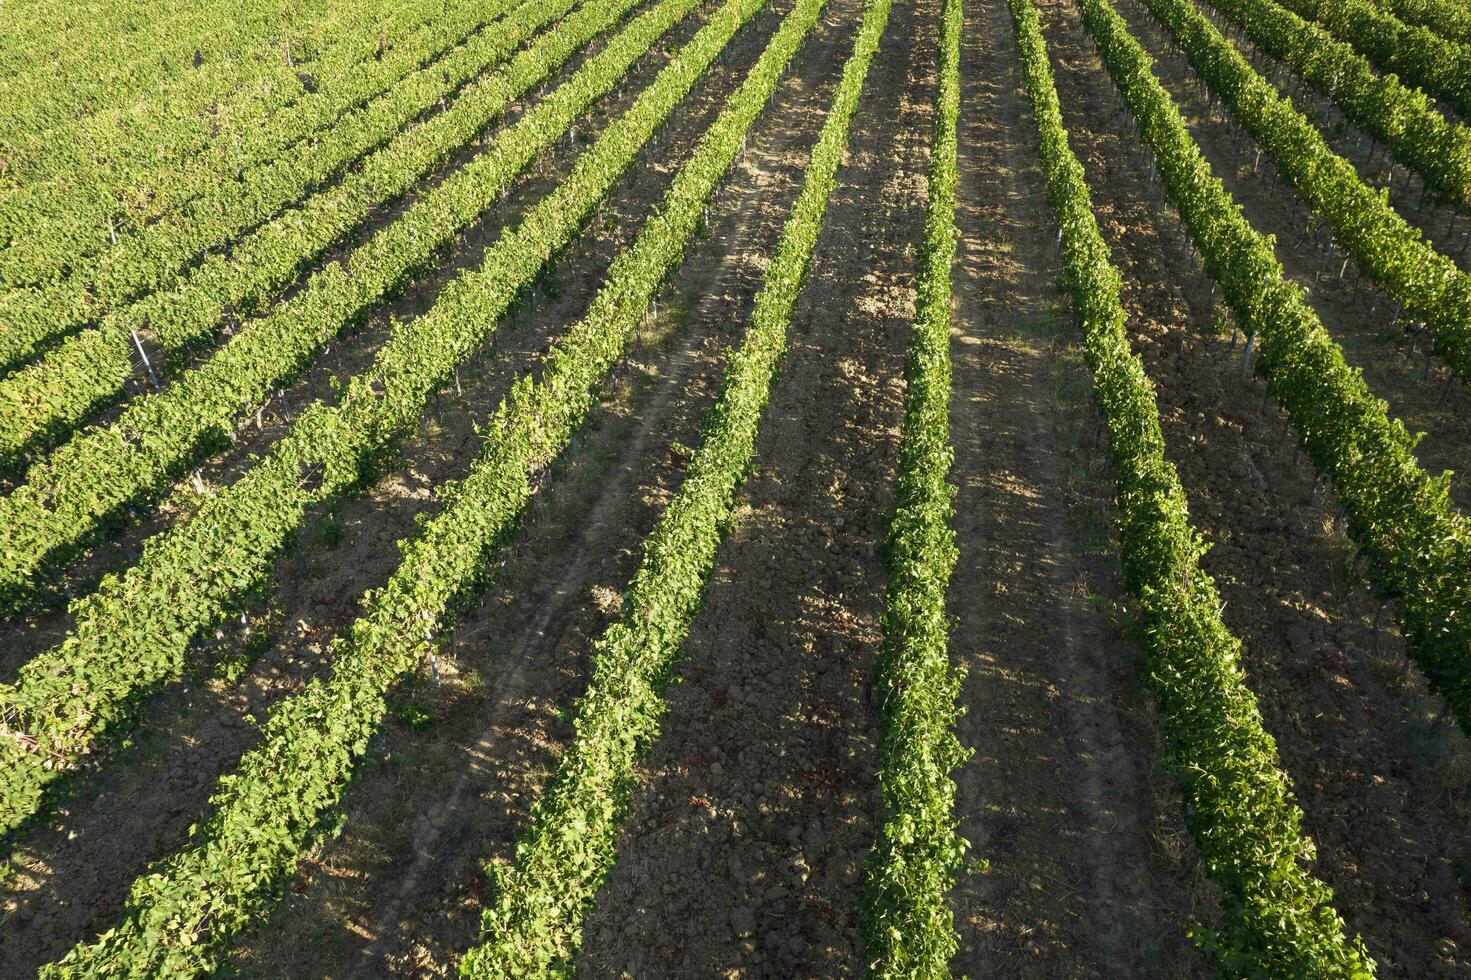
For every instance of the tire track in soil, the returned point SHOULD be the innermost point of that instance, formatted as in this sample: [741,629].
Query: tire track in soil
[1091,871]
[743,850]
[1368,341]
[1381,781]
[75,875]
[409,887]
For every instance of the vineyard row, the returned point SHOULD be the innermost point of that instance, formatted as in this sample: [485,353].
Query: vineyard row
[908,927]
[1238,806]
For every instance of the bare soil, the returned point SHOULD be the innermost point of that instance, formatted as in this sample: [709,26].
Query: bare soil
[1091,871]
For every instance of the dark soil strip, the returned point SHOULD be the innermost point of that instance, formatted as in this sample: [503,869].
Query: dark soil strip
[1091,871]
[742,855]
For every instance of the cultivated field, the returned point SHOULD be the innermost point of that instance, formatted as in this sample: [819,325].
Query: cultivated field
[773,488]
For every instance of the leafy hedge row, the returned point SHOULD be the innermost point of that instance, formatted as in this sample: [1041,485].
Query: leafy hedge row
[86,186]
[114,176]
[85,62]
[1278,918]
[1386,247]
[271,810]
[1418,547]
[1403,118]
[216,196]
[259,86]
[67,495]
[133,633]
[47,399]
[1440,67]
[908,930]
[1446,18]
[535,926]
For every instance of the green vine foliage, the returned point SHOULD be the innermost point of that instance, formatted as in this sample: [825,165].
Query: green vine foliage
[70,102]
[194,194]
[181,917]
[535,926]
[1418,56]
[1401,117]
[1278,918]
[179,309]
[92,73]
[908,929]
[1385,245]
[1448,19]
[134,632]
[1418,547]
[70,494]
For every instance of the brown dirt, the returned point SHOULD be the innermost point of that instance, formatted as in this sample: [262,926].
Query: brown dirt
[742,854]
[1380,779]
[1090,869]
